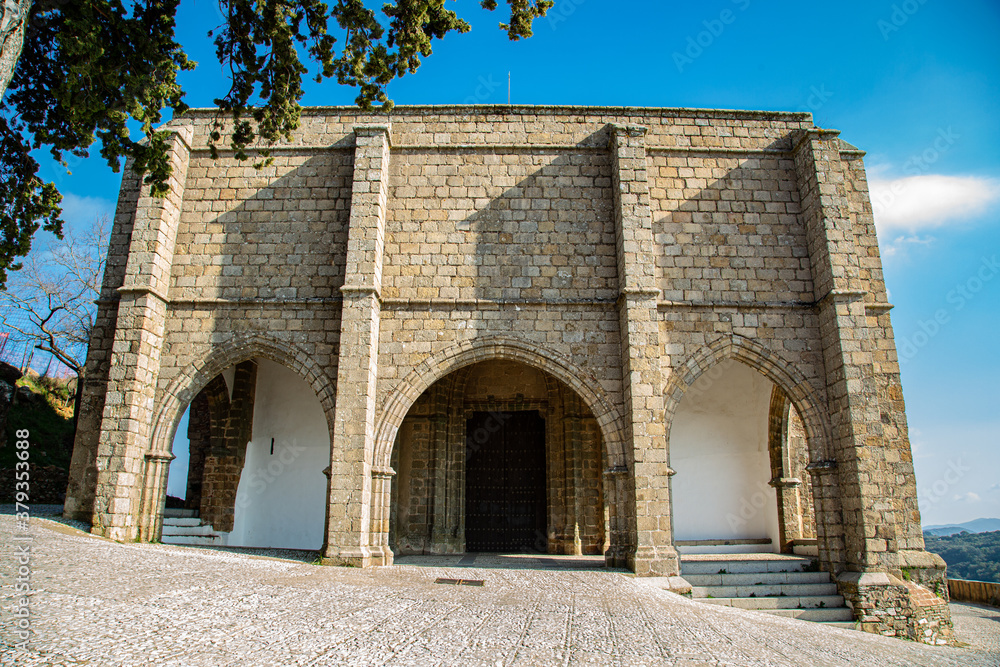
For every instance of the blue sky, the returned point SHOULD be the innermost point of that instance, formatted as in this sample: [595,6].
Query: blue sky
[916,84]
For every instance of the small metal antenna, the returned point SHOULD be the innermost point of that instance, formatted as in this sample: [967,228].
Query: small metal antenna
[508,87]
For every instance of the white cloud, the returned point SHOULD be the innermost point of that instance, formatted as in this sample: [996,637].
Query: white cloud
[917,203]
[969,497]
[893,245]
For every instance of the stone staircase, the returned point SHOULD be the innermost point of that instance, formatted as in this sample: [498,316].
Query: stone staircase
[772,583]
[184,527]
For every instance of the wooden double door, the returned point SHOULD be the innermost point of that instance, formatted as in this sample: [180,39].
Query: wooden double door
[505,494]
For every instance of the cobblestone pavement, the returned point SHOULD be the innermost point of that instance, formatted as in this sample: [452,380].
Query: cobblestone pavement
[978,626]
[103,603]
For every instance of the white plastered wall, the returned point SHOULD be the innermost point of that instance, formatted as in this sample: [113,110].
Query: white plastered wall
[281,498]
[718,448]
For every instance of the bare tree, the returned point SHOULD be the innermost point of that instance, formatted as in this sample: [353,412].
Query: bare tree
[50,302]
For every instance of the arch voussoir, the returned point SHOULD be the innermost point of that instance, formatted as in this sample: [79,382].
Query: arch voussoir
[466,353]
[200,372]
[767,362]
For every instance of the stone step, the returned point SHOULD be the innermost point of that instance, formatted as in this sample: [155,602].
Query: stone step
[754,578]
[171,512]
[703,565]
[780,602]
[188,530]
[193,540]
[767,590]
[177,521]
[194,531]
[837,614]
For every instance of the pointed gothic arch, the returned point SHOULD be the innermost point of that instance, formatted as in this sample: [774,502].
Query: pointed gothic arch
[437,366]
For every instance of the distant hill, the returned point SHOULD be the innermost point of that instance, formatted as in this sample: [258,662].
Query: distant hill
[974,556]
[974,526]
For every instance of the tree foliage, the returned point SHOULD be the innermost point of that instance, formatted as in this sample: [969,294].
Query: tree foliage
[88,67]
[973,556]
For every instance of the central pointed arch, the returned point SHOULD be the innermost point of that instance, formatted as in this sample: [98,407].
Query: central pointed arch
[435,367]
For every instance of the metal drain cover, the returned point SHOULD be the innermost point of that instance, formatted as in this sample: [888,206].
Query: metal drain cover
[459,582]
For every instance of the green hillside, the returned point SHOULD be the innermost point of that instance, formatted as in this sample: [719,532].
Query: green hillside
[44,407]
[974,556]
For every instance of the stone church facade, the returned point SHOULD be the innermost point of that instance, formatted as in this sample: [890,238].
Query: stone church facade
[523,329]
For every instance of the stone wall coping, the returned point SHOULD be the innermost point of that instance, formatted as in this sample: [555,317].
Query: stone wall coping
[868,579]
[534,110]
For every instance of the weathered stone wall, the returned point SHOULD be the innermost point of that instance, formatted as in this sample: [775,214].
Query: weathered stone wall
[623,252]
[799,461]
[48,484]
[199,434]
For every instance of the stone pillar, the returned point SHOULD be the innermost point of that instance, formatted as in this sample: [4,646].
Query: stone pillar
[617,488]
[154,492]
[127,422]
[381,486]
[826,507]
[647,504]
[442,478]
[872,454]
[559,474]
[199,435]
[783,480]
[231,430]
[869,520]
[353,443]
[82,484]
[575,493]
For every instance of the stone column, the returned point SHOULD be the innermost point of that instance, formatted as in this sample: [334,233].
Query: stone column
[650,550]
[441,479]
[153,495]
[127,422]
[880,520]
[82,484]
[199,435]
[231,429]
[783,481]
[617,489]
[575,493]
[870,522]
[381,486]
[353,443]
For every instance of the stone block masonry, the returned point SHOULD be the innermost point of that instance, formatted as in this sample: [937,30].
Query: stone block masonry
[618,253]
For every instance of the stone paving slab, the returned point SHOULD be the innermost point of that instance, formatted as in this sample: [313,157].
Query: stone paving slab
[103,603]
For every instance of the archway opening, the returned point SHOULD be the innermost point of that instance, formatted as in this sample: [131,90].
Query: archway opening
[739,452]
[249,461]
[498,457]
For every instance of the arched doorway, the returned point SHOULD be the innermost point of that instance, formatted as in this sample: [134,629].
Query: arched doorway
[498,456]
[249,461]
[739,452]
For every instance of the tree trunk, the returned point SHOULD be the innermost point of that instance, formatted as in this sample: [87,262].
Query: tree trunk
[12,24]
